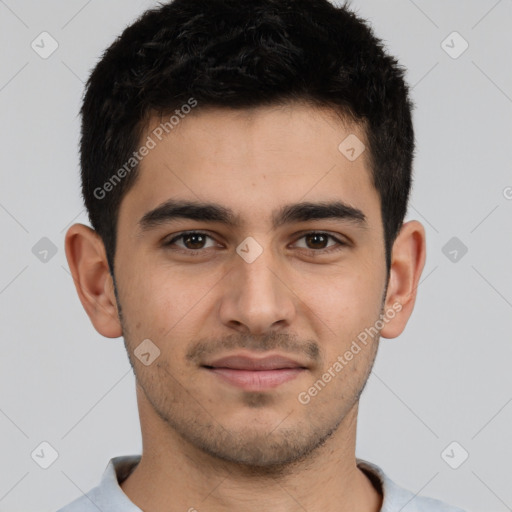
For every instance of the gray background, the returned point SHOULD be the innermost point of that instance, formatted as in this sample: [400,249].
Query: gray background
[446,379]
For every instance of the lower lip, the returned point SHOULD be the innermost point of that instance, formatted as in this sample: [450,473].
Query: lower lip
[252,380]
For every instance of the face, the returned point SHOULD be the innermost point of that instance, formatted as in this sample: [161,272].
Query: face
[286,267]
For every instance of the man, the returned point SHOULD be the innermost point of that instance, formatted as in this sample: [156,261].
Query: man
[246,167]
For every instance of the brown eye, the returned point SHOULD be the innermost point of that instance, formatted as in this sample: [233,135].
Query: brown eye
[191,241]
[316,240]
[194,240]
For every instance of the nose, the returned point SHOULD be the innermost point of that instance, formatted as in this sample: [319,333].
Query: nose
[256,296]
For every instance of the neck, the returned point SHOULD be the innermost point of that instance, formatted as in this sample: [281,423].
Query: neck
[174,475]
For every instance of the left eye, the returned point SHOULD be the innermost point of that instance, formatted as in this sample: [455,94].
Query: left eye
[318,240]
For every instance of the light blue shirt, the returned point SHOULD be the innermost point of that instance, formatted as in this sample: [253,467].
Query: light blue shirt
[109,497]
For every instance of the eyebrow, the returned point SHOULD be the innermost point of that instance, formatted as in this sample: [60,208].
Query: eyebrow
[211,212]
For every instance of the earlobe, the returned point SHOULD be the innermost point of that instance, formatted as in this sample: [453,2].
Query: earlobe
[407,262]
[87,262]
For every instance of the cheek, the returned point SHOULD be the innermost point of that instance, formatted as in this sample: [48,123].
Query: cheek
[165,306]
[343,301]
[145,305]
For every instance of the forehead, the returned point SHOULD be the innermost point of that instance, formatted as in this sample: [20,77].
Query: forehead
[253,160]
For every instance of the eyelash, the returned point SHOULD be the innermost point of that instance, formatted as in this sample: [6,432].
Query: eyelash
[196,252]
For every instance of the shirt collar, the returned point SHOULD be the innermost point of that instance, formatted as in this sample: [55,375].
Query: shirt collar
[119,468]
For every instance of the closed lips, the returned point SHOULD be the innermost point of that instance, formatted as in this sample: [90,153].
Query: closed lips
[240,362]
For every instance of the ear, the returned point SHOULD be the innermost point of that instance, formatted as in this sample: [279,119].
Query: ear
[87,261]
[407,262]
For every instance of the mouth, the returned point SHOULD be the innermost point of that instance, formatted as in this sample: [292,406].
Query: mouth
[255,374]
